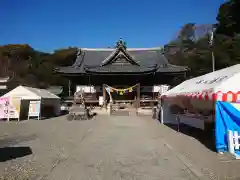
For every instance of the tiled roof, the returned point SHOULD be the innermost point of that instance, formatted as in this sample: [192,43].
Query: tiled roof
[136,60]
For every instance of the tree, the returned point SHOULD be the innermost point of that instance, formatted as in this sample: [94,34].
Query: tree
[33,68]
[191,48]
[229,18]
[187,32]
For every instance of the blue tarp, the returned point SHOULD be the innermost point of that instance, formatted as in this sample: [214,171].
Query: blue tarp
[227,118]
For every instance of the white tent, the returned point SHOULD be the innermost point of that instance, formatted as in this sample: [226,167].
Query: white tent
[212,97]
[27,94]
[201,93]
[4,80]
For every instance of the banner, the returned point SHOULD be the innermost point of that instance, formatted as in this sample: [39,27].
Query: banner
[4,107]
[34,109]
[88,89]
[227,118]
[14,108]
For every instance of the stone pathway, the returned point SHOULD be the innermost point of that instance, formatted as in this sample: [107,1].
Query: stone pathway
[107,148]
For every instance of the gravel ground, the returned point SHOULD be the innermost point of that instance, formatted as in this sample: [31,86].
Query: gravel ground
[104,148]
[107,148]
[208,163]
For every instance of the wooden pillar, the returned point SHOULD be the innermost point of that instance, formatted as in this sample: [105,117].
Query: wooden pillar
[153,94]
[153,98]
[89,81]
[185,76]
[104,96]
[138,97]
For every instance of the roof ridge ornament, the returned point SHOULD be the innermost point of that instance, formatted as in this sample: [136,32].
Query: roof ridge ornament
[119,52]
[121,44]
[79,52]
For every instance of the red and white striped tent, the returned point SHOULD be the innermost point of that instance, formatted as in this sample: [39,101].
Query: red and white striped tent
[221,85]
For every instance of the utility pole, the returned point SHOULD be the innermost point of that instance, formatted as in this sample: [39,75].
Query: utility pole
[211,44]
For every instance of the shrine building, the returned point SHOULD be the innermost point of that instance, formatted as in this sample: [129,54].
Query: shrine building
[121,67]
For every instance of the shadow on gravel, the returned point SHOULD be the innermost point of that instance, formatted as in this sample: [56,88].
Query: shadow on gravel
[205,137]
[8,153]
[47,118]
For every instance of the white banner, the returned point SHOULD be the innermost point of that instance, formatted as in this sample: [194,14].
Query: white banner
[88,89]
[155,88]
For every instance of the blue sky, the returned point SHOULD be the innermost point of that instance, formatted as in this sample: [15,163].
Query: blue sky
[47,25]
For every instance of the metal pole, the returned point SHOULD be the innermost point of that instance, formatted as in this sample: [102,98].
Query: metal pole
[213,57]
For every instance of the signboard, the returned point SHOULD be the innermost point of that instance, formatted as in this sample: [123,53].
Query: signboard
[34,109]
[4,106]
[160,88]
[164,88]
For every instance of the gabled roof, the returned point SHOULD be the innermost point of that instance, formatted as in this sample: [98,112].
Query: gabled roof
[121,59]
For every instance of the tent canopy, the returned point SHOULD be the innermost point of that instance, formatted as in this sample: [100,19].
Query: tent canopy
[29,93]
[4,80]
[55,89]
[221,85]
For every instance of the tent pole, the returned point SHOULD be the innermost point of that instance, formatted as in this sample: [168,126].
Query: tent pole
[8,112]
[69,88]
[20,102]
[39,110]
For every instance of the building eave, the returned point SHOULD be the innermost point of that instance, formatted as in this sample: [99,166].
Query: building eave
[128,49]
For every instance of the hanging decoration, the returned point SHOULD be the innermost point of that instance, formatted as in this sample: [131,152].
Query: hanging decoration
[130,89]
[120,91]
